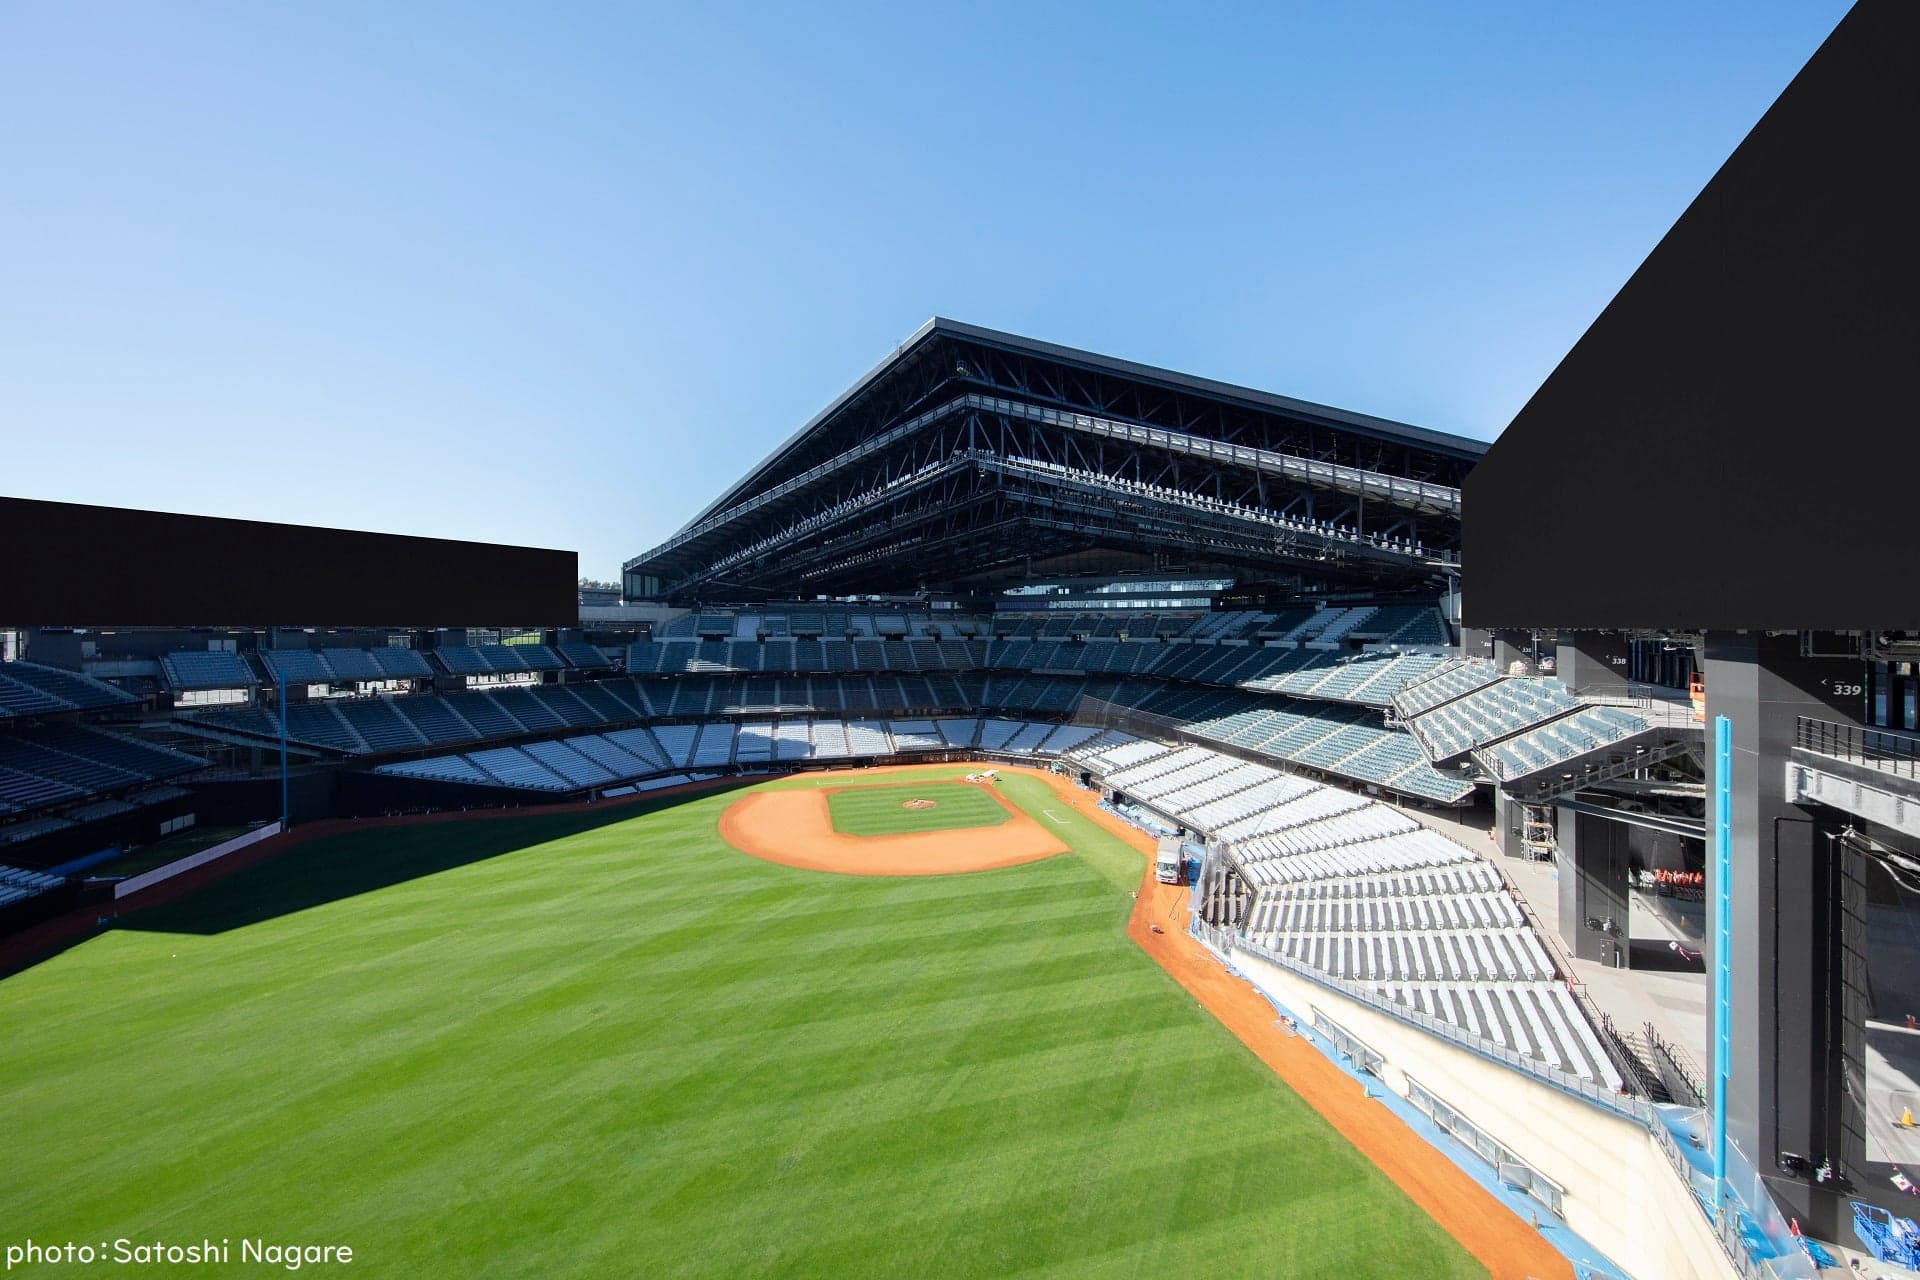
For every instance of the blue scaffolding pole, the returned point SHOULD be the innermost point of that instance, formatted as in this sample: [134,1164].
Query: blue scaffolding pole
[1722,949]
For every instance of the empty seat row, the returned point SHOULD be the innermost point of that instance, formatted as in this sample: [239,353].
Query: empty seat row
[1452,679]
[1593,729]
[344,666]
[1490,713]
[1463,955]
[622,755]
[1539,1019]
[31,688]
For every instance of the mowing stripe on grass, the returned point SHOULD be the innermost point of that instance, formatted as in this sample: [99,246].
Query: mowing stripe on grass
[575,1046]
[884,811]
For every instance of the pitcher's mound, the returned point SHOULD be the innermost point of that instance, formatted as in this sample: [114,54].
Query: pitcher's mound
[794,829]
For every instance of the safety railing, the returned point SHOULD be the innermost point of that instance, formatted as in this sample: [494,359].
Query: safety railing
[1565,1081]
[1878,749]
[1677,1072]
[1758,1209]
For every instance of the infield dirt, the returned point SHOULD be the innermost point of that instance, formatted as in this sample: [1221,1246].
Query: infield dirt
[795,829]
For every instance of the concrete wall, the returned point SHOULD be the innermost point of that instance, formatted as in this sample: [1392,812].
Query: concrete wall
[1622,1195]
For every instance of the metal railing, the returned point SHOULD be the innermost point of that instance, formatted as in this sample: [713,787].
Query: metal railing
[1727,1226]
[1879,749]
[1579,1086]
[1678,1073]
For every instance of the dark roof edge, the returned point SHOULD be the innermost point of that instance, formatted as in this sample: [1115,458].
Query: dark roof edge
[1465,446]
[860,384]
[1461,446]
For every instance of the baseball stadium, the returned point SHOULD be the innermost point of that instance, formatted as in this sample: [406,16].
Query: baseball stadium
[1051,816]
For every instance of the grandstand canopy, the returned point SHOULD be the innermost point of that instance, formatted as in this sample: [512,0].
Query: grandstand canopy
[1726,447]
[972,458]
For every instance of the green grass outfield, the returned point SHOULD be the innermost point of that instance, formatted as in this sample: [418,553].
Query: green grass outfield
[569,1046]
[876,810]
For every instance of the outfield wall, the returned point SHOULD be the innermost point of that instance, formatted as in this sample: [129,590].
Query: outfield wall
[147,879]
[1621,1194]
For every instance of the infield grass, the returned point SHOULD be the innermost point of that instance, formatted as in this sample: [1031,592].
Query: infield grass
[882,811]
[569,1046]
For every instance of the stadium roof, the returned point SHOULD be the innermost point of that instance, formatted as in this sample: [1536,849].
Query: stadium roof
[1461,446]
[975,458]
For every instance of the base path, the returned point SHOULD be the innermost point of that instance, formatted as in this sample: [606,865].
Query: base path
[794,828]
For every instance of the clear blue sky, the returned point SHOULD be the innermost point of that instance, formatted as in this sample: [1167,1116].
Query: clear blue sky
[555,274]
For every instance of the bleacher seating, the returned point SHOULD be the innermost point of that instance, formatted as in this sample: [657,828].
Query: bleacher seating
[477,708]
[1454,678]
[318,723]
[352,666]
[753,744]
[959,733]
[434,720]
[639,743]
[1027,739]
[524,657]
[296,666]
[626,755]
[1366,895]
[575,766]
[207,669]
[31,688]
[379,725]
[497,659]
[439,769]
[916,735]
[1272,668]
[396,662]
[1588,730]
[336,666]
[713,746]
[868,738]
[830,740]
[21,699]
[513,767]
[23,792]
[792,741]
[55,763]
[1344,739]
[537,713]
[1403,625]
[1494,711]
[18,883]
[584,656]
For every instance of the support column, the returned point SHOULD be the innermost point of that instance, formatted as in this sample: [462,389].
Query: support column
[1510,647]
[1593,887]
[1509,825]
[1595,662]
[1784,1091]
